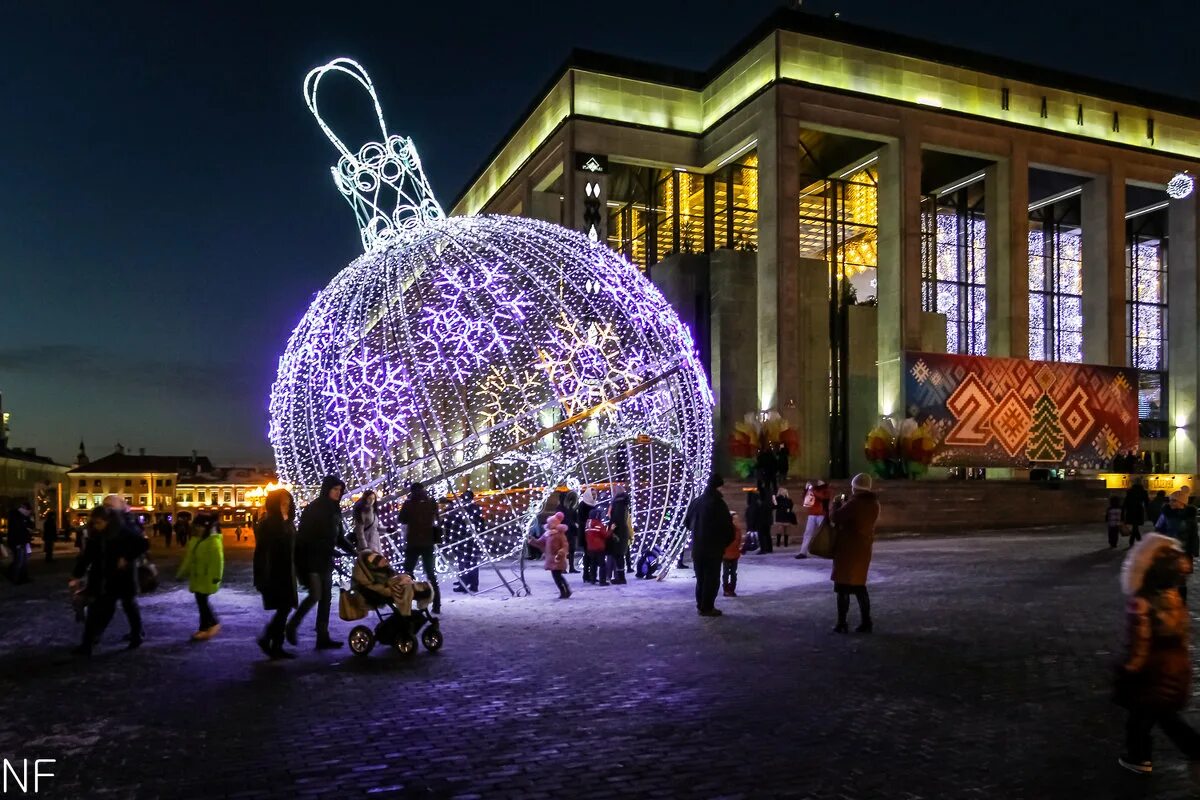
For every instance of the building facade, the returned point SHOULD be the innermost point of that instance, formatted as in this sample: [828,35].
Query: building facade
[153,485]
[827,198]
[148,483]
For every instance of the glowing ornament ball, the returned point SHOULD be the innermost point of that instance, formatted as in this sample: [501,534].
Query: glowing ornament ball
[498,353]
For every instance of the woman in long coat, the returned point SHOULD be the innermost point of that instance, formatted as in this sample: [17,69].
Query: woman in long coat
[854,538]
[275,568]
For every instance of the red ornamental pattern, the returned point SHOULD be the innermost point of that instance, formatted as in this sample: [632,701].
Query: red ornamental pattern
[982,409]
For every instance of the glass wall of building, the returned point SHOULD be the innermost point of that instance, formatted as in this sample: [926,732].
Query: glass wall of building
[1056,281]
[954,266]
[735,205]
[839,227]
[630,216]
[654,213]
[1146,315]
[839,224]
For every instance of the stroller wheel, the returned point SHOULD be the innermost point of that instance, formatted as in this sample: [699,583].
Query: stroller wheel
[432,639]
[361,640]
[406,645]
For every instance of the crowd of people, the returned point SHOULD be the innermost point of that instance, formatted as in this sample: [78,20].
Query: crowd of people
[573,529]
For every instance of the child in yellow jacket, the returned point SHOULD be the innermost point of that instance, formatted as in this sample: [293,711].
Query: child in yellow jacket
[204,566]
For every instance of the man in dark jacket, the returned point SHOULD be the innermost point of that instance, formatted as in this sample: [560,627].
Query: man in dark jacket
[420,516]
[711,524]
[109,559]
[320,534]
[20,536]
[622,533]
[1133,510]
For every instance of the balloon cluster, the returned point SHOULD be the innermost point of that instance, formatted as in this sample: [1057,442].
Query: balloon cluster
[904,452]
[755,432]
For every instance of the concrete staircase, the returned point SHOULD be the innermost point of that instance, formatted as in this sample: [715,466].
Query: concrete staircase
[937,506]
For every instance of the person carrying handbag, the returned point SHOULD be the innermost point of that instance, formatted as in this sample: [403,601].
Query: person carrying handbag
[854,520]
[816,505]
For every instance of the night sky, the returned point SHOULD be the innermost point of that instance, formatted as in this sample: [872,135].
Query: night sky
[166,208]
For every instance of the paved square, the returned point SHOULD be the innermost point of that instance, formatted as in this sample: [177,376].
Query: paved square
[987,677]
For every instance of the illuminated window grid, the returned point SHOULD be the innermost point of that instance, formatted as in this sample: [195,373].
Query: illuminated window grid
[1146,315]
[1055,290]
[854,235]
[735,205]
[954,279]
[627,232]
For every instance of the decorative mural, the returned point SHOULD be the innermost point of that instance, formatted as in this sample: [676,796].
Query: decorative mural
[1008,412]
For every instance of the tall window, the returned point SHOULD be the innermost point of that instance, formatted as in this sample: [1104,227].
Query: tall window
[839,226]
[735,204]
[954,263]
[1056,283]
[1146,316]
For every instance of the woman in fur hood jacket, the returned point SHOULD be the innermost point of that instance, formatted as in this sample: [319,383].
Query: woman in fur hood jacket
[1154,681]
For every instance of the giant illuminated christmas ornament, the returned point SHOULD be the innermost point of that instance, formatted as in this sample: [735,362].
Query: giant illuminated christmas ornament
[495,353]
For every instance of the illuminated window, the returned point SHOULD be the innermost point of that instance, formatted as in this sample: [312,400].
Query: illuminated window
[200,495]
[630,229]
[1056,283]
[954,267]
[839,224]
[228,496]
[735,204]
[1146,316]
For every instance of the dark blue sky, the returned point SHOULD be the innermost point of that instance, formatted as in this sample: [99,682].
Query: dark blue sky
[166,209]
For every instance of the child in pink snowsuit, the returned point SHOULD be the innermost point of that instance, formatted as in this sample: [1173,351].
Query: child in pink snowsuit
[553,543]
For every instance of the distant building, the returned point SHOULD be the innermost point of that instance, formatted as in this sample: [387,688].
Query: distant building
[237,493]
[166,484]
[24,475]
[148,483]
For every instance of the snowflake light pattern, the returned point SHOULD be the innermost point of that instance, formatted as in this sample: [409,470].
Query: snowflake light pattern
[498,353]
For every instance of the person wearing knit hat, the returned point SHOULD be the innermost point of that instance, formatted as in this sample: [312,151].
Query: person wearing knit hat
[1178,521]
[854,520]
[1153,682]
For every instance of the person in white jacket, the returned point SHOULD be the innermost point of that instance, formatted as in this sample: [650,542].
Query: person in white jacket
[366,523]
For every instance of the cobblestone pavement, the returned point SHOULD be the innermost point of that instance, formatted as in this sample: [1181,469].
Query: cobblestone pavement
[986,678]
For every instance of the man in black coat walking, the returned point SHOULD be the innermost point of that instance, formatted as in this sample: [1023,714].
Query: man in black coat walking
[1133,510]
[320,534]
[711,524]
[20,537]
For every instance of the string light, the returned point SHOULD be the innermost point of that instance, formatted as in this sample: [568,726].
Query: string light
[496,353]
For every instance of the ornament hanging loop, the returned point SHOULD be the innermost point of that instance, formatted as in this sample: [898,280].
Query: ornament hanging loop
[355,70]
[383,181]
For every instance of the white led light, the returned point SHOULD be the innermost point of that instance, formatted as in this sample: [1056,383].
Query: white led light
[500,353]
[1180,186]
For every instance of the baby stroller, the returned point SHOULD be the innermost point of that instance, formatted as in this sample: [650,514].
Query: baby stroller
[407,602]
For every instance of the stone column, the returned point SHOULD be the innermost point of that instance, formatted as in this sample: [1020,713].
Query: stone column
[899,290]
[1103,218]
[1182,334]
[1006,204]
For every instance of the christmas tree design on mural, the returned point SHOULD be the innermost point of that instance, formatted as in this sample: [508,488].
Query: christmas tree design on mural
[1045,433]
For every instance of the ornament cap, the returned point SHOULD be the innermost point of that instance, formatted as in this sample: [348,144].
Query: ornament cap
[383,181]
